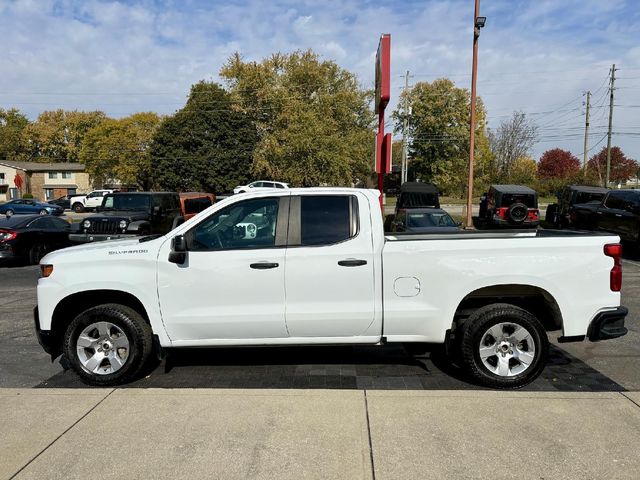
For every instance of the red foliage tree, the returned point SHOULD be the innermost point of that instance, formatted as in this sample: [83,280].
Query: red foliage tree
[558,164]
[622,168]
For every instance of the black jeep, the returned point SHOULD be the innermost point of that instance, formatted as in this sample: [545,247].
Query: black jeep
[509,206]
[558,213]
[129,214]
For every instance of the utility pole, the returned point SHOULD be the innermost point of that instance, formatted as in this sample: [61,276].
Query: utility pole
[478,23]
[611,89]
[586,135]
[405,125]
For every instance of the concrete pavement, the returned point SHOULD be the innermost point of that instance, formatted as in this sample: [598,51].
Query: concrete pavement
[204,433]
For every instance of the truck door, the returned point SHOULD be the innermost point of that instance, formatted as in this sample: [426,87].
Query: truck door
[231,285]
[610,214]
[329,266]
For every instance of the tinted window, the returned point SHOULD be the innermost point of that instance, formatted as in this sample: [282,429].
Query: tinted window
[509,199]
[324,219]
[436,219]
[44,223]
[196,205]
[126,202]
[615,200]
[248,224]
[58,223]
[279,185]
[586,197]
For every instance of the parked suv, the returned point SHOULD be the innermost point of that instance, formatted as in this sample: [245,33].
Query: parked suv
[259,184]
[129,214]
[192,203]
[558,213]
[510,205]
[89,201]
[619,213]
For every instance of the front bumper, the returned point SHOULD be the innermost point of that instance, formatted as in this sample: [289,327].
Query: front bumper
[98,237]
[49,342]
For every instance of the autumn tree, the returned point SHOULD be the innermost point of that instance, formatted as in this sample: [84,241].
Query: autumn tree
[313,120]
[12,142]
[558,164]
[119,149]
[514,138]
[57,136]
[207,145]
[524,171]
[622,168]
[438,128]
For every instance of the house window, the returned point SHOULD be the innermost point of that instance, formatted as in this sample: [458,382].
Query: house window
[66,175]
[71,191]
[48,193]
[53,174]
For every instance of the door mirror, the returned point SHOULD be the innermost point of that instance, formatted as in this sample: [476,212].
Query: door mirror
[178,252]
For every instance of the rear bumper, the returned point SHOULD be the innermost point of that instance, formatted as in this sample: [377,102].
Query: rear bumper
[607,325]
[46,338]
[506,223]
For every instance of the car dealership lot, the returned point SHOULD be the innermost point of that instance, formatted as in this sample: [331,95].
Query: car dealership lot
[603,366]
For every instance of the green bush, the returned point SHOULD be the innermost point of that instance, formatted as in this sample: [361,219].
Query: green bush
[27,195]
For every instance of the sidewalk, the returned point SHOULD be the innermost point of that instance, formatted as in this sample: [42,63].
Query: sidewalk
[324,434]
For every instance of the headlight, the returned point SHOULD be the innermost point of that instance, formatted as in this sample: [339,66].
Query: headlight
[86,224]
[123,224]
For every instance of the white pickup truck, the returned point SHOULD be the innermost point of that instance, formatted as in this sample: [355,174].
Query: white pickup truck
[313,266]
[90,201]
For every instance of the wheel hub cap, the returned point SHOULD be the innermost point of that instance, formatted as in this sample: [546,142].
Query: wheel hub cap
[102,348]
[507,349]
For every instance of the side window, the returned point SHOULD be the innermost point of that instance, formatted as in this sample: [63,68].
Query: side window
[256,184]
[279,185]
[326,219]
[58,223]
[248,224]
[615,200]
[44,222]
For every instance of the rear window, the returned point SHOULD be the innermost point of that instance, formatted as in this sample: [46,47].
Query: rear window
[196,205]
[509,199]
[586,197]
[325,219]
[420,220]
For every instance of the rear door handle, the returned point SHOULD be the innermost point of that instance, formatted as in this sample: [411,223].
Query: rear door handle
[352,262]
[264,265]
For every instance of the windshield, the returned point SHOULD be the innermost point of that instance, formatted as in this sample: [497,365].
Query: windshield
[126,202]
[420,220]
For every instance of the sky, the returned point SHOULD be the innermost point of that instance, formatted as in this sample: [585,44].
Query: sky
[537,56]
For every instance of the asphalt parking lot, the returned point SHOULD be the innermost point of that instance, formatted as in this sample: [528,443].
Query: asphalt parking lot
[588,367]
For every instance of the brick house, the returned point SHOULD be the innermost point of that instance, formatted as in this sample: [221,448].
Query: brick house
[45,181]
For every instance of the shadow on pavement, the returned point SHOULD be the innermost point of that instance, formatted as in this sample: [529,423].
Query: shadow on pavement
[337,368]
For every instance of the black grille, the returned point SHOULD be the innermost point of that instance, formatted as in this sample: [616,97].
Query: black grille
[105,225]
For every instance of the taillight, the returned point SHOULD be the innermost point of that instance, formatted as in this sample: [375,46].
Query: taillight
[501,212]
[6,235]
[614,250]
[533,214]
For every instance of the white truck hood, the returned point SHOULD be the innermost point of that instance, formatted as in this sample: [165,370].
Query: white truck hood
[100,250]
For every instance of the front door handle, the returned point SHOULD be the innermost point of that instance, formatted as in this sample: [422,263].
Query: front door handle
[352,262]
[264,265]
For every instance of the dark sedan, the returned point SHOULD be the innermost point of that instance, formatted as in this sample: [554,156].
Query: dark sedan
[64,202]
[28,206]
[31,237]
[423,220]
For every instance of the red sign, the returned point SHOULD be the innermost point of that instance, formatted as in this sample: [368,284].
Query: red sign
[17,180]
[383,72]
[383,152]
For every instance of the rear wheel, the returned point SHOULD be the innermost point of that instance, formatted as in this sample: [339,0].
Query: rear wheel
[78,207]
[108,345]
[36,252]
[503,346]
[9,213]
[43,212]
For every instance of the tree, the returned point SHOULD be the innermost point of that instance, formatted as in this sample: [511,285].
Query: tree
[558,164]
[513,139]
[524,171]
[207,145]
[12,141]
[119,149]
[439,130]
[313,120]
[622,168]
[57,136]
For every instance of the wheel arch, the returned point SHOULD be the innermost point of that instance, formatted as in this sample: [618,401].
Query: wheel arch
[534,299]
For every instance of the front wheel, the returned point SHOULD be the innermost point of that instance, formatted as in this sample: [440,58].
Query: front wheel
[78,207]
[108,345]
[43,212]
[503,346]
[9,213]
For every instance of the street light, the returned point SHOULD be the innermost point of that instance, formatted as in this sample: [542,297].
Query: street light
[478,23]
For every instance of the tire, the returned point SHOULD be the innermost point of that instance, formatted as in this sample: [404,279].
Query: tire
[517,213]
[78,207]
[551,215]
[124,358]
[43,212]
[9,213]
[36,252]
[513,367]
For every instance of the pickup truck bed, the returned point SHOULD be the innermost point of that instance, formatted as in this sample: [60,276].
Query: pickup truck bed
[313,266]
